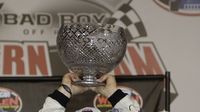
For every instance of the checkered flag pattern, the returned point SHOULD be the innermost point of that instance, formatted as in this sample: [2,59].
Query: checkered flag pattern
[1,4]
[126,17]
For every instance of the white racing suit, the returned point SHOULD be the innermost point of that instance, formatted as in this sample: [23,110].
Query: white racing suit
[121,102]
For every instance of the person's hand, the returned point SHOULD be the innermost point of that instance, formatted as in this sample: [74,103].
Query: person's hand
[110,85]
[67,80]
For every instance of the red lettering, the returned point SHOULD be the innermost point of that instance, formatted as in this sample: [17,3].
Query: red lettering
[13,55]
[9,101]
[4,102]
[122,68]
[14,101]
[102,100]
[37,60]
[147,66]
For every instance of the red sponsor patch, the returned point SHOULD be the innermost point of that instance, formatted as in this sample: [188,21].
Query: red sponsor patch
[10,101]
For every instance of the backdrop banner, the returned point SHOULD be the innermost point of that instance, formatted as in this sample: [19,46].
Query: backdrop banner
[29,30]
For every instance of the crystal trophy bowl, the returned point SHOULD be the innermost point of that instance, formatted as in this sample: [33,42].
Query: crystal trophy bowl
[91,50]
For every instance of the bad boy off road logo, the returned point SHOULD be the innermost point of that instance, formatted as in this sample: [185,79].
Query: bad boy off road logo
[10,101]
[38,19]
[181,7]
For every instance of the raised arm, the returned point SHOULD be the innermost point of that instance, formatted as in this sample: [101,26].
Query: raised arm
[57,101]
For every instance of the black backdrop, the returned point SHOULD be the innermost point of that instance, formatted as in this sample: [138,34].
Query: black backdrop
[33,92]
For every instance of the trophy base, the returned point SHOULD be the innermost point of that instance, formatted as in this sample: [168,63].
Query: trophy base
[88,81]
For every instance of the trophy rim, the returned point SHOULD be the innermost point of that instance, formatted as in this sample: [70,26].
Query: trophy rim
[105,26]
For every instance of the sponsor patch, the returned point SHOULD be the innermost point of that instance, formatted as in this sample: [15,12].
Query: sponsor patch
[10,101]
[102,103]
